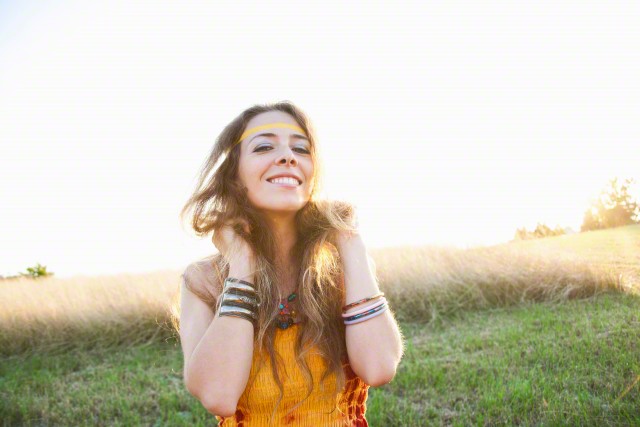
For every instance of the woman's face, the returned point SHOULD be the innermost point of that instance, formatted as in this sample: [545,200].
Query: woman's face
[274,151]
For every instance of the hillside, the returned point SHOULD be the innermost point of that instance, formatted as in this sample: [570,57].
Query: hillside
[617,249]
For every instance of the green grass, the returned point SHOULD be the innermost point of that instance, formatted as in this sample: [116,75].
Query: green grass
[539,364]
[545,364]
[126,386]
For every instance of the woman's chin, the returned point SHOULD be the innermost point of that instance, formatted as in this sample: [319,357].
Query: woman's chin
[282,208]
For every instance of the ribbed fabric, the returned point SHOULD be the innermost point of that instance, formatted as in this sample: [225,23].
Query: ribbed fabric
[256,404]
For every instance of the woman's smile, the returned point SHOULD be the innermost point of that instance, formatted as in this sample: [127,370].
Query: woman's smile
[285,184]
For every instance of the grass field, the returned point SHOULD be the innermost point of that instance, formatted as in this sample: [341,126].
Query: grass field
[539,332]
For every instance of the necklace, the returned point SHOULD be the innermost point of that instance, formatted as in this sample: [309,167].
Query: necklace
[287,313]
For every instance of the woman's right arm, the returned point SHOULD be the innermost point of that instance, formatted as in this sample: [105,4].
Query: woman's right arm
[218,350]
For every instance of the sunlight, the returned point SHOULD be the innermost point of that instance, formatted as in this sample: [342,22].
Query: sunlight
[452,151]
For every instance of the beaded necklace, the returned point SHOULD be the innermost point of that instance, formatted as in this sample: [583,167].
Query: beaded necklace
[287,314]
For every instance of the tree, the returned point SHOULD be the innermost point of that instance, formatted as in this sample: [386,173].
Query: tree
[615,207]
[37,271]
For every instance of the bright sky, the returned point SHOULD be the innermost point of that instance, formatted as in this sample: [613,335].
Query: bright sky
[444,122]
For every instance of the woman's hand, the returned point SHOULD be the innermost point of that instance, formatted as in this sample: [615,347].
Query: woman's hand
[343,237]
[348,218]
[230,244]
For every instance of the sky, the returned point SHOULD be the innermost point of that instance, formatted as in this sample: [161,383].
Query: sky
[444,123]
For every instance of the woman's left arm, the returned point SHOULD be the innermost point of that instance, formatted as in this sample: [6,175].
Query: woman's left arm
[375,346]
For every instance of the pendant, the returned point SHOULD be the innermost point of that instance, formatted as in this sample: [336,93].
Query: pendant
[287,314]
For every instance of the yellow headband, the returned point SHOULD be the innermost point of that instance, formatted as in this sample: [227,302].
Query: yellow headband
[267,126]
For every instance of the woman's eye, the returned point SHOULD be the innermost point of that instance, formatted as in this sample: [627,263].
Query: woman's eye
[302,149]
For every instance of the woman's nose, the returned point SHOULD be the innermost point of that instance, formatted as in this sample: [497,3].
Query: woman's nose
[287,156]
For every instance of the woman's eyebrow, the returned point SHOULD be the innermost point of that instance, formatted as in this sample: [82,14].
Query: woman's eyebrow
[273,135]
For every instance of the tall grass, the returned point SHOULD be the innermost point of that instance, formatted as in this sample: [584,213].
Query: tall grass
[422,284]
[427,284]
[55,315]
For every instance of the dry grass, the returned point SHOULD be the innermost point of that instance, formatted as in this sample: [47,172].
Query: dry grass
[424,284]
[421,284]
[616,250]
[54,314]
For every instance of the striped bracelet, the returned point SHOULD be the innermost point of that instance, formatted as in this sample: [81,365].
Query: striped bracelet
[365,308]
[378,312]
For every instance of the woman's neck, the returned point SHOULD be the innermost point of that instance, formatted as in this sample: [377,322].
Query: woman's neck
[286,236]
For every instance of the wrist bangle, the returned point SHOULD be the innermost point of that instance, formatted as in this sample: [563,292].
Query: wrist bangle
[362,301]
[370,316]
[239,299]
[238,289]
[374,304]
[226,310]
[232,279]
[366,313]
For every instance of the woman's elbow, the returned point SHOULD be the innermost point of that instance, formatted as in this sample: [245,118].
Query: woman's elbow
[214,404]
[380,376]
[211,401]
[217,406]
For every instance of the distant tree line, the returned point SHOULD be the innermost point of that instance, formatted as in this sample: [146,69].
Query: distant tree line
[615,207]
[541,230]
[32,272]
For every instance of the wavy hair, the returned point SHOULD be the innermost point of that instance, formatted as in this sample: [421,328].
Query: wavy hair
[220,198]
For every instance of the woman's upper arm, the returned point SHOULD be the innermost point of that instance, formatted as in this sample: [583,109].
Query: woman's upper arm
[195,314]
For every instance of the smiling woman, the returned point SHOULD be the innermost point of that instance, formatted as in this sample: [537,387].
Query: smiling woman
[289,292]
[285,141]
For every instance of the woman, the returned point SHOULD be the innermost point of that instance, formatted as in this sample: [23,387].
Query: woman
[292,282]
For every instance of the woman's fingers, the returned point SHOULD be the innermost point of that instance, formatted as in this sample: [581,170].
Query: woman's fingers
[227,233]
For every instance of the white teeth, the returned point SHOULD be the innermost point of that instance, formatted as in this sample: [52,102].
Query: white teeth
[284,181]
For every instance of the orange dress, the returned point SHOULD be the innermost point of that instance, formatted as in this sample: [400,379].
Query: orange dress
[256,404]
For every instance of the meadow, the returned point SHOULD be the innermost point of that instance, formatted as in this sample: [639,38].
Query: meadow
[540,332]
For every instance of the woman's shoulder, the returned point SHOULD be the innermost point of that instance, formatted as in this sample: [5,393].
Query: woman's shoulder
[205,275]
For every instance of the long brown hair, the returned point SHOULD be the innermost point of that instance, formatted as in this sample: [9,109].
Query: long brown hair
[220,197]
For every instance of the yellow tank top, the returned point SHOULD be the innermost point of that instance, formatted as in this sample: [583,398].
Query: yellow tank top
[256,404]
